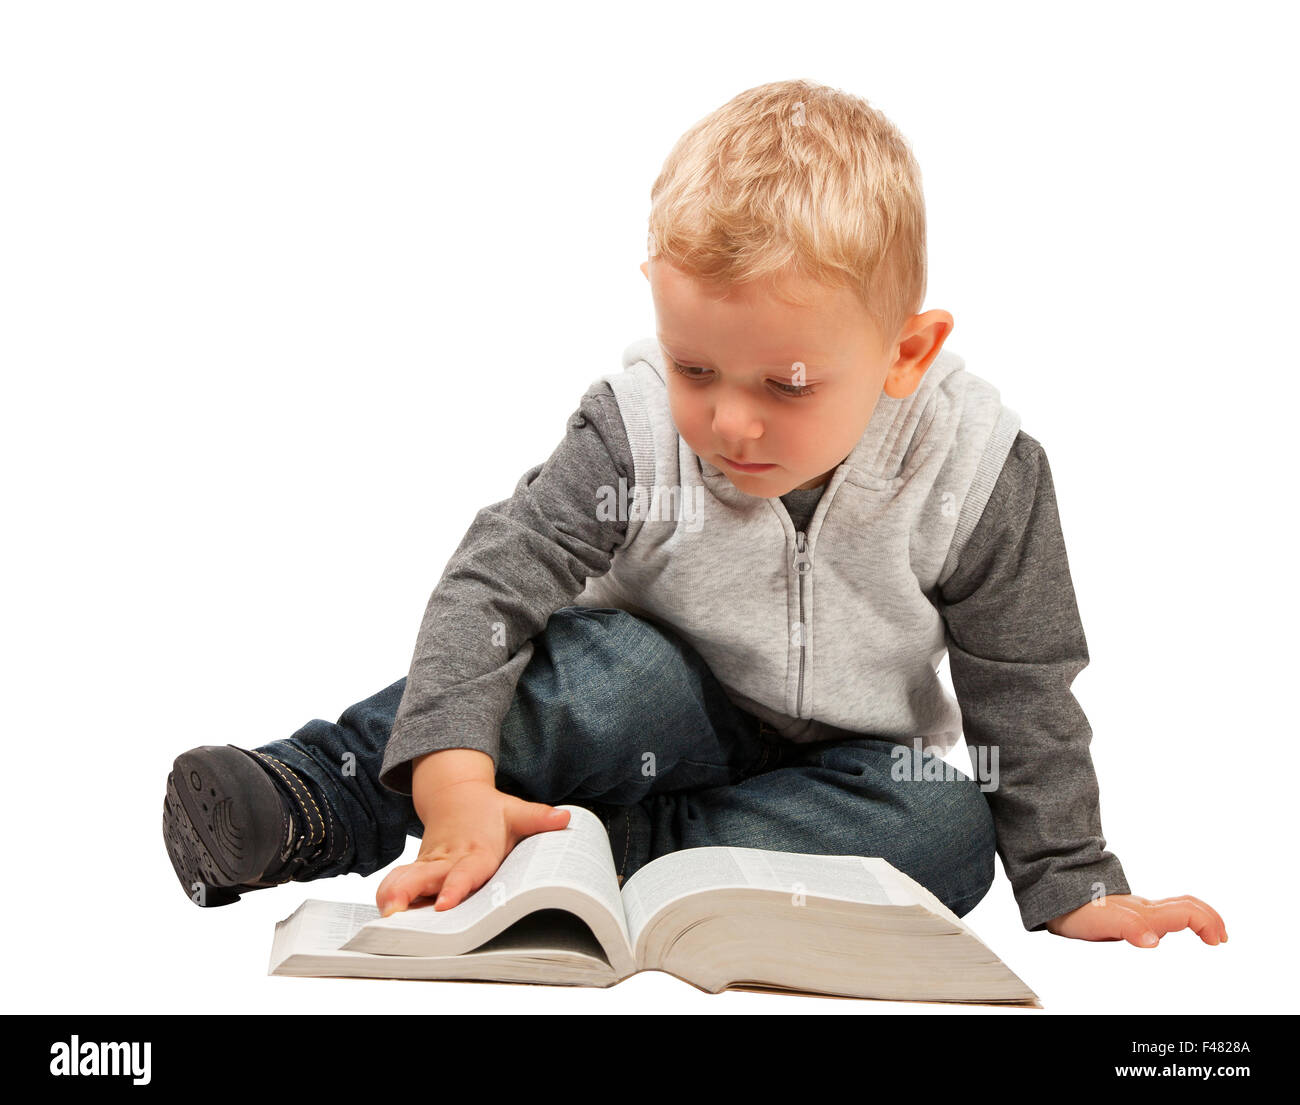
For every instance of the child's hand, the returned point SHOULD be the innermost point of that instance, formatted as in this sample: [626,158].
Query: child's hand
[1140,921]
[474,827]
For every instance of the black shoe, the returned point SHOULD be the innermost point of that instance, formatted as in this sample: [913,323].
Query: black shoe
[236,821]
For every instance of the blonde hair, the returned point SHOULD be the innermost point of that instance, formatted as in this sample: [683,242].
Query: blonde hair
[796,179]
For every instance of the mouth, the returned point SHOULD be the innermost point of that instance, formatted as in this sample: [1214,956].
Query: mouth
[747,467]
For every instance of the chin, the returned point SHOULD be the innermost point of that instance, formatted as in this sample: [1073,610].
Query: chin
[758,486]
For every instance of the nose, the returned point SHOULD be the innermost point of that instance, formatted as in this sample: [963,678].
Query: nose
[735,423]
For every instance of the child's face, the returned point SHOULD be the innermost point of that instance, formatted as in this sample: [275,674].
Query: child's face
[742,397]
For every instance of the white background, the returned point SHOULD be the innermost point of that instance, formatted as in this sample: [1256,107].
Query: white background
[289,291]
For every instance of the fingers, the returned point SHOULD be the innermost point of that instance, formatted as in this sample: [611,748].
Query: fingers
[448,881]
[469,873]
[403,885]
[1135,927]
[1171,914]
[537,817]
[450,875]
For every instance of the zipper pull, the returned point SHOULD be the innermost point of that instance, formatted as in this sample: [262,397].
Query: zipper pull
[802,561]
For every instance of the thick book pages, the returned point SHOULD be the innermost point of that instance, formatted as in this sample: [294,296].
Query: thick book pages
[714,917]
[550,947]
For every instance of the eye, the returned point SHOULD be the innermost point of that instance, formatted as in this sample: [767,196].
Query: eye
[684,371]
[794,391]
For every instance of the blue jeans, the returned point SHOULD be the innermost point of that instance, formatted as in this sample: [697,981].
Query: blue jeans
[623,717]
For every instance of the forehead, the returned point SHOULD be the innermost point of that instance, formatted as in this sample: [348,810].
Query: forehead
[778,320]
[775,291]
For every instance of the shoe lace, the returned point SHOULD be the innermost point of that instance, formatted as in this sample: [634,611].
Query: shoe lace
[316,830]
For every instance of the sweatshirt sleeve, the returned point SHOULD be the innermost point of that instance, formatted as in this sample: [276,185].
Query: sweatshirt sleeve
[1015,645]
[520,561]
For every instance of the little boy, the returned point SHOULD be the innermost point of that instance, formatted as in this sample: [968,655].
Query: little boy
[715,614]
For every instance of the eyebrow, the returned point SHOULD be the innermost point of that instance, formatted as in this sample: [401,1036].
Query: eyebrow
[819,362]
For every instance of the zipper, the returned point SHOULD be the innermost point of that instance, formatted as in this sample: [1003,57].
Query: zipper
[802,565]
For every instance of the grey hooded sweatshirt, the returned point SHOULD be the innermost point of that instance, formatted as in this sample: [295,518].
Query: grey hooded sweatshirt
[825,612]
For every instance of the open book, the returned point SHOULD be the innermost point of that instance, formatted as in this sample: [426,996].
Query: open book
[743,918]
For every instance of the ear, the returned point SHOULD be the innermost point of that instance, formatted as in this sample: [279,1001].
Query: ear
[923,337]
[645,268]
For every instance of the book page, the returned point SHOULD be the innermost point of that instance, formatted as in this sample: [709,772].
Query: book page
[576,857]
[549,946]
[662,881]
[322,927]
[338,926]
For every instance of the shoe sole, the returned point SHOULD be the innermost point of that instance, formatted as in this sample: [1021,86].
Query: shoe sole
[222,823]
